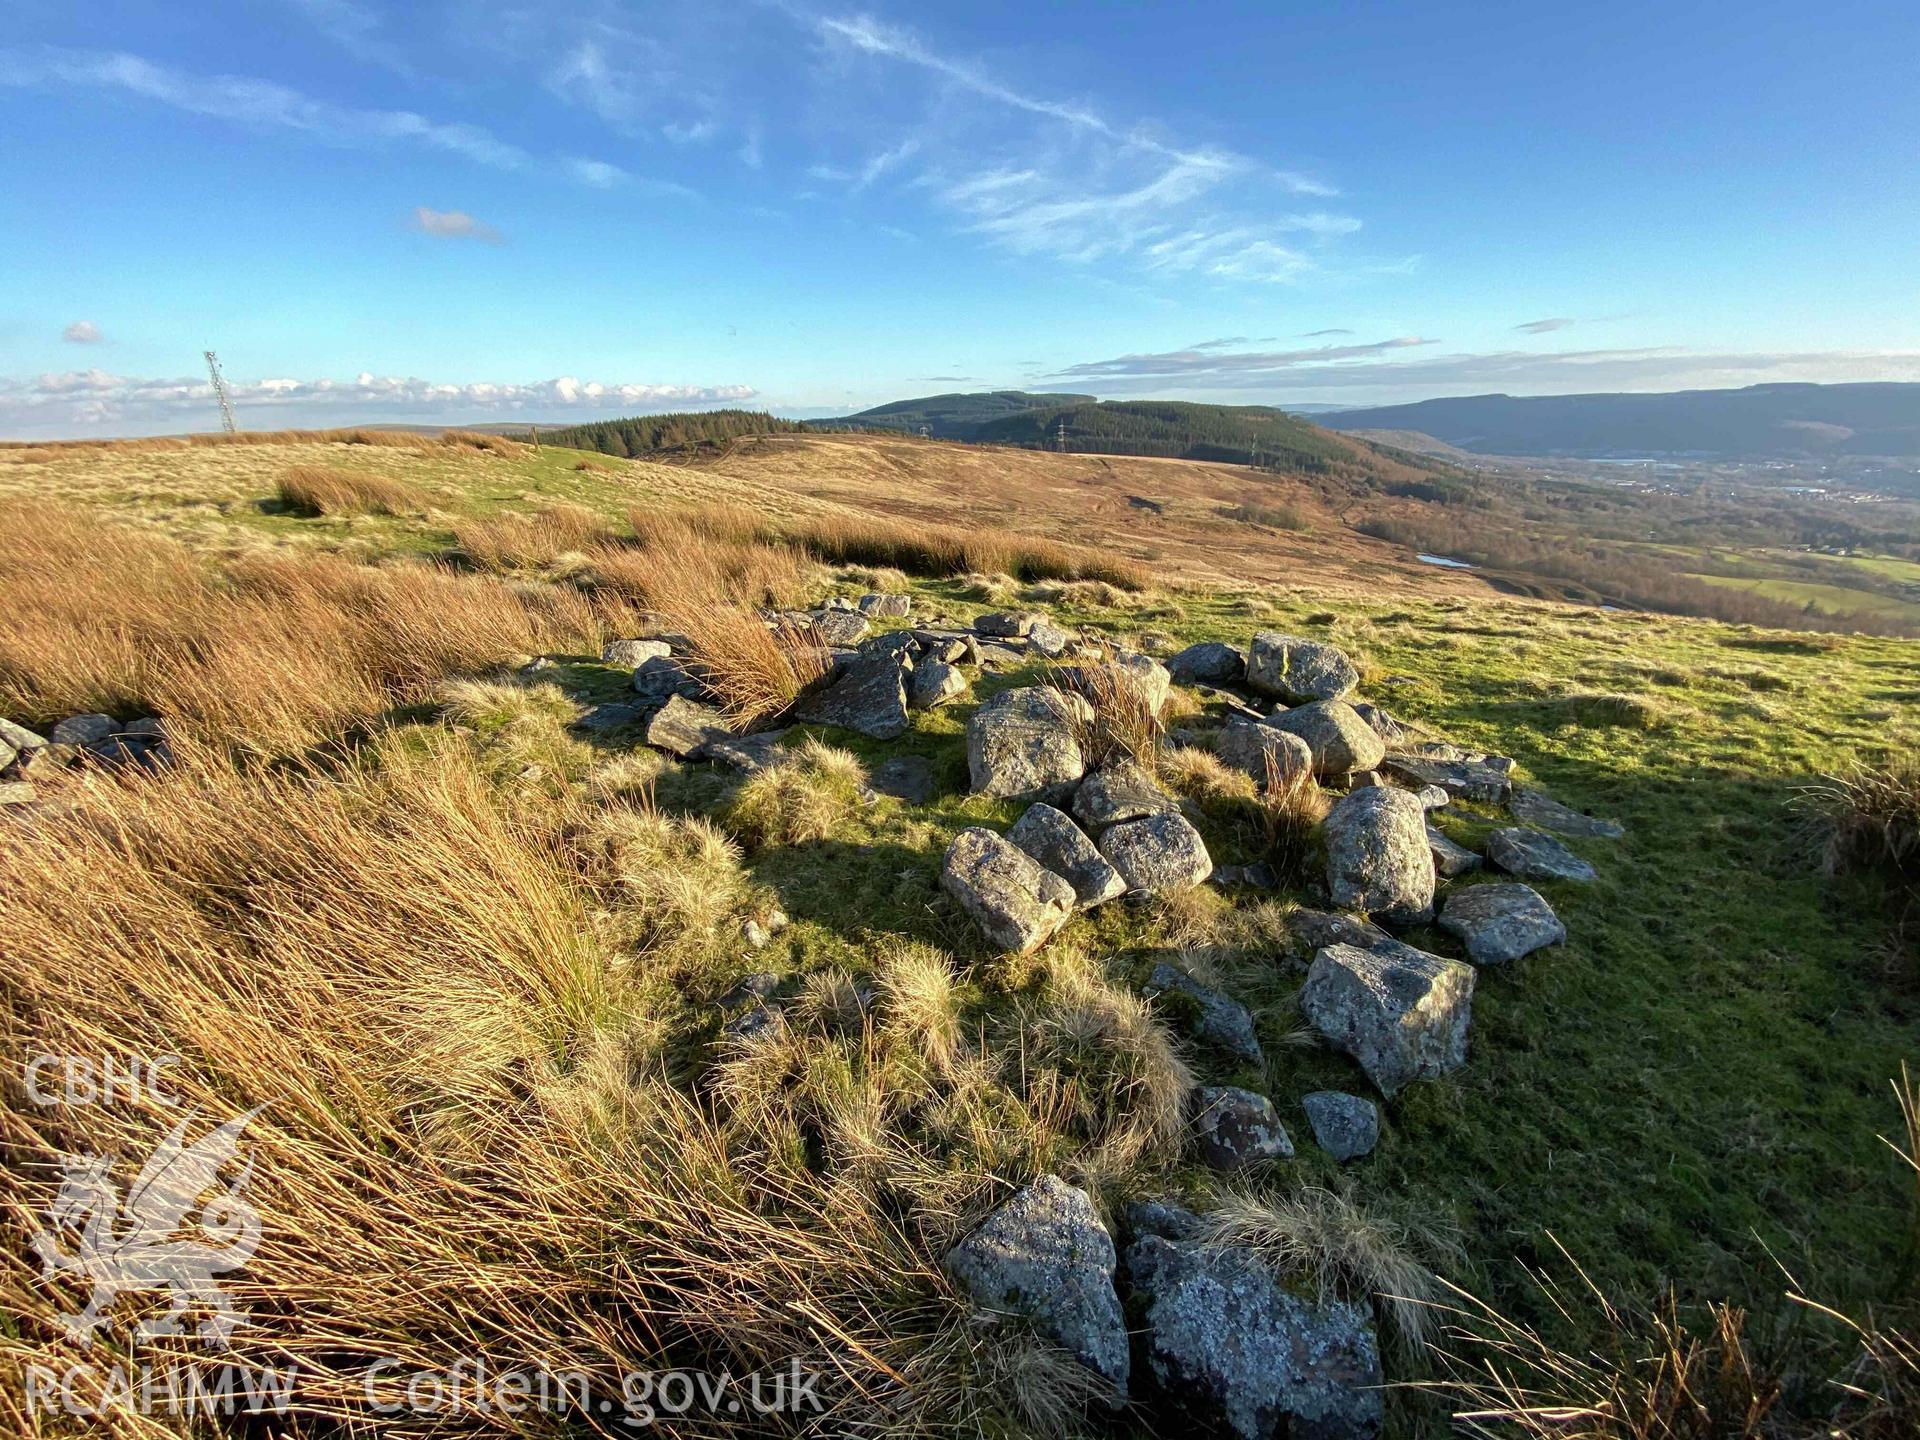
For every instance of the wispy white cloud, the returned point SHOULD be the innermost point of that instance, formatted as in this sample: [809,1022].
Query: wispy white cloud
[1546,327]
[355,29]
[1317,334]
[1212,362]
[454,225]
[95,402]
[82,332]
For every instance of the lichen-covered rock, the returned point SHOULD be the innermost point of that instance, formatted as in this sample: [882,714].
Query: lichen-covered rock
[869,698]
[1045,1255]
[933,683]
[1016,901]
[681,726]
[839,627]
[1007,624]
[634,653]
[749,753]
[1161,854]
[1208,663]
[1023,744]
[1340,740]
[659,675]
[1450,860]
[15,739]
[1378,858]
[1147,673]
[886,607]
[1215,1017]
[1049,639]
[1536,855]
[1403,1015]
[1168,1219]
[1051,837]
[1300,670]
[1383,724]
[1235,1128]
[1234,1349]
[83,730]
[1464,774]
[1345,1126]
[1119,790]
[1246,745]
[1501,922]
[1545,813]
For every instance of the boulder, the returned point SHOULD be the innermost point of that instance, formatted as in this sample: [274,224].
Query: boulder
[839,627]
[1016,902]
[1378,859]
[1241,1354]
[1045,1255]
[1345,1126]
[1450,860]
[1236,1128]
[933,683]
[748,753]
[1300,670]
[1208,663]
[1381,723]
[886,607]
[1464,774]
[1536,855]
[1168,1219]
[1119,790]
[1160,854]
[1007,624]
[1051,837]
[1545,813]
[634,653]
[83,730]
[869,698]
[1149,674]
[1023,744]
[662,675]
[15,792]
[1246,744]
[1049,639]
[1403,1015]
[1340,740]
[681,727]
[1217,1018]
[1501,922]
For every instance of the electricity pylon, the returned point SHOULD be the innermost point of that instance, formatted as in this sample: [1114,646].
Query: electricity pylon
[220,393]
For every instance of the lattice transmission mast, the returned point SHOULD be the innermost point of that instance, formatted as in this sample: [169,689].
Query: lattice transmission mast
[220,393]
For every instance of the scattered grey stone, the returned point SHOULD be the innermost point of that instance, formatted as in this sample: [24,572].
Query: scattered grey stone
[1365,780]
[1236,1128]
[1217,1017]
[1403,1016]
[1246,744]
[1160,854]
[1005,624]
[1049,639]
[1381,723]
[933,683]
[15,792]
[762,1022]
[605,719]
[1119,790]
[1299,670]
[1345,1126]
[1535,855]
[1431,797]
[840,627]
[886,607]
[1378,859]
[1051,837]
[1501,922]
[1014,900]
[1464,774]
[635,653]
[896,644]
[1023,744]
[136,751]
[905,777]
[681,727]
[83,729]
[757,986]
[1546,813]
[1339,739]
[1165,1218]
[748,753]
[838,602]
[538,665]
[1210,662]
[1149,674]
[1318,929]
[1450,861]
[665,675]
[42,762]
[869,698]
[19,737]
[152,727]
[1045,1255]
[1257,876]
[998,657]
[1239,1353]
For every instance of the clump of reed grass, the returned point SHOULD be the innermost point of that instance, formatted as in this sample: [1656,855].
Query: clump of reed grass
[322,490]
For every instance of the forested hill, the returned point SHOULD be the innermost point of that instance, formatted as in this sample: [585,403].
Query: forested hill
[645,434]
[950,417]
[1240,434]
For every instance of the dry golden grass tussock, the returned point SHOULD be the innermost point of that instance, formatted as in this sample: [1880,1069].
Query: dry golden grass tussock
[1125,724]
[516,541]
[1203,776]
[1867,818]
[322,490]
[804,796]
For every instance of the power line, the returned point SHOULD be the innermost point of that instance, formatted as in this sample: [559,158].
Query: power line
[220,393]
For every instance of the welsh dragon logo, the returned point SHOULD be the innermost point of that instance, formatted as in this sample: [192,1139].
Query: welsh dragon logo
[154,1240]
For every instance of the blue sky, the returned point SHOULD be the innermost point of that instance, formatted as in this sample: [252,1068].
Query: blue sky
[487,209]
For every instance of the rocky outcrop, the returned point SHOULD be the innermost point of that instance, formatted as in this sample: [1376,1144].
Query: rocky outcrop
[1300,670]
[1535,855]
[1016,902]
[1160,855]
[1378,857]
[1501,922]
[1234,1349]
[1217,1018]
[1235,1128]
[1339,739]
[1044,1255]
[933,683]
[1119,790]
[1023,744]
[1403,1015]
[1345,1126]
[681,726]
[1208,663]
[1051,837]
[1247,745]
[869,698]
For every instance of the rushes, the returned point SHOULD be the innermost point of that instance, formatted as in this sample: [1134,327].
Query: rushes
[321,490]
[529,542]
[1125,722]
[1867,818]
[1288,810]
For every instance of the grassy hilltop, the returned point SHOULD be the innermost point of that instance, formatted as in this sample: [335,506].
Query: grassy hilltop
[476,961]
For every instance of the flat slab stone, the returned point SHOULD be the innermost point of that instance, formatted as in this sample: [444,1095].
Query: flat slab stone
[1235,1128]
[1051,837]
[1501,921]
[1016,902]
[749,753]
[1536,855]
[1450,860]
[1403,1015]
[681,726]
[1118,791]
[1464,774]
[869,698]
[1213,1015]
[1545,813]
[1161,854]
[1345,1126]
[604,719]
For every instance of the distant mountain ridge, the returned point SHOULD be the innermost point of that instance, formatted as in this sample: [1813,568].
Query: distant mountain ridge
[1759,421]
[953,416]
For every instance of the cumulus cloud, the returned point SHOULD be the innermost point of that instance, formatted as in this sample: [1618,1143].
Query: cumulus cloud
[1213,365]
[82,332]
[453,225]
[1543,327]
[96,402]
